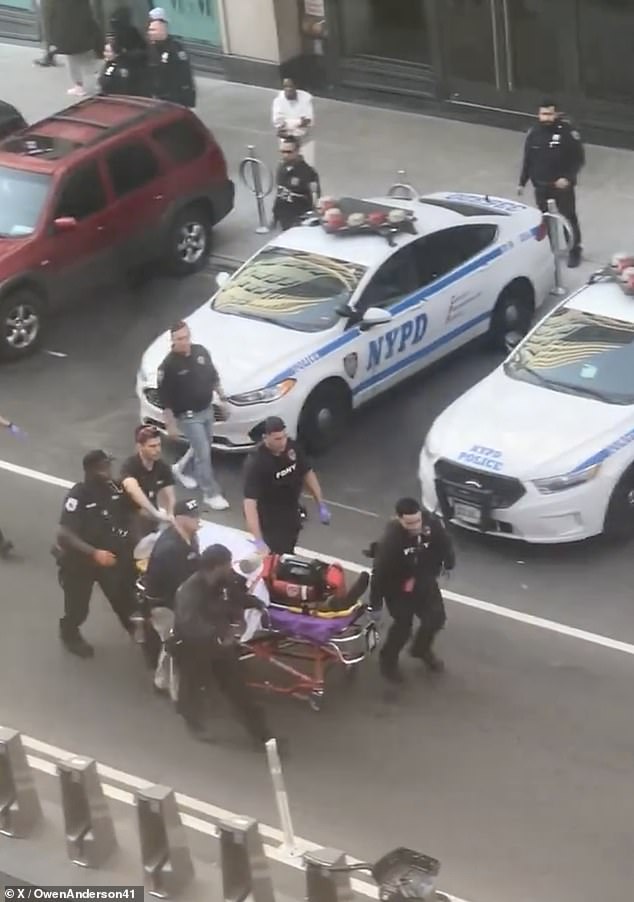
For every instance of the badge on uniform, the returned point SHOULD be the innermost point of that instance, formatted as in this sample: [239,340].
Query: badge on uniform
[164,57]
[291,454]
[295,181]
[575,134]
[71,505]
[182,55]
[351,365]
[200,360]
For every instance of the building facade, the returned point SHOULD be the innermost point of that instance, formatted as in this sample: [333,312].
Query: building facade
[474,58]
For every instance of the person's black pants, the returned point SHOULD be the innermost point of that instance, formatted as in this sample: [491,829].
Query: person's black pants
[78,579]
[200,668]
[281,532]
[566,204]
[429,609]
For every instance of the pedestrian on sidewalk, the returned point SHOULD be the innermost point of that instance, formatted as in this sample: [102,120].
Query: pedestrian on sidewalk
[553,156]
[293,115]
[74,32]
[170,71]
[48,50]
[187,382]
[297,186]
[414,550]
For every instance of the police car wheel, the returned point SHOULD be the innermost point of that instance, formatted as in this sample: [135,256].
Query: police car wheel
[190,241]
[21,323]
[619,519]
[323,418]
[511,318]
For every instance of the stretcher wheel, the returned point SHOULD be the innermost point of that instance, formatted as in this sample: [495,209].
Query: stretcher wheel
[315,700]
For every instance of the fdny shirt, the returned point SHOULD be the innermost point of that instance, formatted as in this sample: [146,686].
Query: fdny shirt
[275,481]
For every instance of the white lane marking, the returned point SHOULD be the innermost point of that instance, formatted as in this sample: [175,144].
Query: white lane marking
[54,353]
[553,626]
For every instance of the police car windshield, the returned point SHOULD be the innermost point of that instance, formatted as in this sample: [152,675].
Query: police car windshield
[293,289]
[579,353]
[22,197]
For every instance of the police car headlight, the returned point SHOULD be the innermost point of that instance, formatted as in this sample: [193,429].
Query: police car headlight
[566,481]
[263,395]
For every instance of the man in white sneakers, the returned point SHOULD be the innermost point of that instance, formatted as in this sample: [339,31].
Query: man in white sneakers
[187,381]
[293,116]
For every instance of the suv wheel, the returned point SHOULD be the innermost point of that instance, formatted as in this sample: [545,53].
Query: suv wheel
[189,241]
[21,323]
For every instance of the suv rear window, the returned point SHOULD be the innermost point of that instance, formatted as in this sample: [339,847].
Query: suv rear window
[182,141]
[131,166]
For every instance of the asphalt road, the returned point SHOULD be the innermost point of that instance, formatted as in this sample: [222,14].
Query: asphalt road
[511,768]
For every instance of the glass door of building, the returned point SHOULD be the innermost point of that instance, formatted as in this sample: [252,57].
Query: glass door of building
[506,53]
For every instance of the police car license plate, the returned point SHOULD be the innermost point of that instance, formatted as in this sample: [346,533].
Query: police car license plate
[466,513]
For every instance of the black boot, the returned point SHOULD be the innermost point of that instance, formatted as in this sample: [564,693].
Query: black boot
[390,670]
[48,59]
[431,661]
[574,258]
[75,643]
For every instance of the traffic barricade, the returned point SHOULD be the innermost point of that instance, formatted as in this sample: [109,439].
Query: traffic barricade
[20,809]
[245,870]
[90,835]
[167,862]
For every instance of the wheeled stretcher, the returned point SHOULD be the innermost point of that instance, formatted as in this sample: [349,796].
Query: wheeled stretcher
[310,619]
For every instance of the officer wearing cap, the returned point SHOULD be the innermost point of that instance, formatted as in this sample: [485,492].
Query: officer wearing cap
[170,73]
[553,157]
[173,560]
[276,473]
[93,546]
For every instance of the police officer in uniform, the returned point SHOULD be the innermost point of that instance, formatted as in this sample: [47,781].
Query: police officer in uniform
[553,157]
[297,185]
[413,552]
[170,73]
[276,473]
[125,57]
[93,547]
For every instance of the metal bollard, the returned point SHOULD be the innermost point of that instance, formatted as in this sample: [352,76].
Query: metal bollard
[402,189]
[555,221]
[245,870]
[325,879]
[167,863]
[90,836]
[251,171]
[20,809]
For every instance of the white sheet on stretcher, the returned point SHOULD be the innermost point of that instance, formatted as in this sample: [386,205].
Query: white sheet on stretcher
[242,549]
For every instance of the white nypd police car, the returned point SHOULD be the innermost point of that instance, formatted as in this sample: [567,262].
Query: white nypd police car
[317,323]
[542,449]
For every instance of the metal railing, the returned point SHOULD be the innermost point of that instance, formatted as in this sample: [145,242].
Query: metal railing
[561,238]
[258,177]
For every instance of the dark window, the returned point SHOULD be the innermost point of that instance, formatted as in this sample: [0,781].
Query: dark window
[393,29]
[533,27]
[131,166]
[606,43]
[394,279]
[469,39]
[82,194]
[182,141]
[438,254]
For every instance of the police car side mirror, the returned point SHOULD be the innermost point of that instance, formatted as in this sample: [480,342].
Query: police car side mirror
[222,278]
[375,316]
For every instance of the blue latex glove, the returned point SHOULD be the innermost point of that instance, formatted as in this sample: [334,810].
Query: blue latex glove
[16,431]
[324,514]
[260,546]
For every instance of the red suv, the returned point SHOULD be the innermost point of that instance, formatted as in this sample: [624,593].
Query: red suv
[107,185]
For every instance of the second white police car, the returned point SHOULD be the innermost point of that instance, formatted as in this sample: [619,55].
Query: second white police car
[315,323]
[542,449]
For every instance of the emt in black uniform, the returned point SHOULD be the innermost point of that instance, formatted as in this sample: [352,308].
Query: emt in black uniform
[94,547]
[276,473]
[173,560]
[149,483]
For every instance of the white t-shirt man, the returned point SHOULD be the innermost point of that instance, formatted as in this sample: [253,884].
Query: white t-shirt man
[293,114]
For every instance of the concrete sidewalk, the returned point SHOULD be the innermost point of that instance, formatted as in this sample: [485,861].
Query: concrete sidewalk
[361,148]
